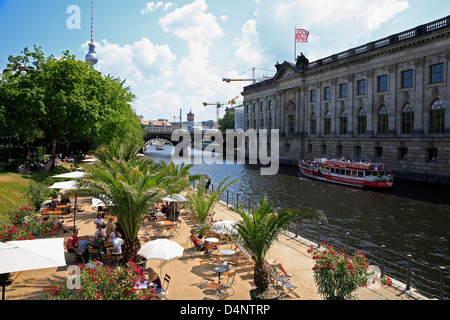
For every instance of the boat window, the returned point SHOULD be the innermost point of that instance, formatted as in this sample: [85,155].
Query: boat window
[360,173]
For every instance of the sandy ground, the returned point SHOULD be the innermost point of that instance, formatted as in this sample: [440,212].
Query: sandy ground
[185,272]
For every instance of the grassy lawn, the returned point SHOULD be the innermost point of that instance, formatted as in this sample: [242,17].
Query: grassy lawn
[13,187]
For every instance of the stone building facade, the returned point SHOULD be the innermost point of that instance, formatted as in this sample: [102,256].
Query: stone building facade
[384,101]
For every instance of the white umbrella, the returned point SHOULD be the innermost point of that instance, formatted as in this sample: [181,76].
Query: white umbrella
[224,227]
[75,174]
[64,185]
[161,249]
[68,185]
[175,198]
[30,255]
[100,203]
[90,160]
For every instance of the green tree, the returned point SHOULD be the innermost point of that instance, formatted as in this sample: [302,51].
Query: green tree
[65,101]
[227,122]
[261,227]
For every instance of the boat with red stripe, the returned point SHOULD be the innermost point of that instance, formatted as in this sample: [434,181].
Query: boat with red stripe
[350,173]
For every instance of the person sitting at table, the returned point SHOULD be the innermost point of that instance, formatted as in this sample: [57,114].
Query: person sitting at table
[199,242]
[117,247]
[100,231]
[153,279]
[114,235]
[85,243]
[54,202]
[98,221]
[72,242]
[110,226]
[65,200]
[98,244]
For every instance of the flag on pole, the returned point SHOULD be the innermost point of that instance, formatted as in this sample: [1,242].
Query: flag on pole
[301,35]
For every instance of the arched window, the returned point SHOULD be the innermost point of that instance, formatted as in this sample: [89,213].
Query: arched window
[313,123]
[437,117]
[344,122]
[328,123]
[362,121]
[383,120]
[408,119]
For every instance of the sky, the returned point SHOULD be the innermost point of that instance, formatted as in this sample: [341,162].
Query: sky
[174,54]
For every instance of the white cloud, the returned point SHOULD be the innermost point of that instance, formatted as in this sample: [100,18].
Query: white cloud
[192,23]
[153,6]
[372,12]
[140,61]
[249,50]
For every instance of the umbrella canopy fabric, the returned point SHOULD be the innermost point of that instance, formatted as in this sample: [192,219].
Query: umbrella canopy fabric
[75,174]
[96,202]
[90,160]
[161,249]
[175,198]
[224,227]
[64,185]
[31,254]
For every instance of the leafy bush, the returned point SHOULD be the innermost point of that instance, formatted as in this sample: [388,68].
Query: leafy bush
[94,281]
[27,224]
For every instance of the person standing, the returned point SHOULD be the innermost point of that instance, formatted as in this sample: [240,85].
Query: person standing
[208,186]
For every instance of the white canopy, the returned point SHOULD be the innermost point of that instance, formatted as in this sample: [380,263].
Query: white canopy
[90,160]
[174,198]
[161,249]
[65,185]
[224,227]
[96,202]
[31,254]
[75,174]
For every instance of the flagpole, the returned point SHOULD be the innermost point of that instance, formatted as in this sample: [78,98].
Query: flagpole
[295,43]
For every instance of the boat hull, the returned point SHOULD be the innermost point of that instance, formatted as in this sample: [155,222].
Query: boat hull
[344,180]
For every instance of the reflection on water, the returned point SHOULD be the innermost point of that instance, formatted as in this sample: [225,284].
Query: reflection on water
[412,219]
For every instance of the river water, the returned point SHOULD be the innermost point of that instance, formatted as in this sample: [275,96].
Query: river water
[411,219]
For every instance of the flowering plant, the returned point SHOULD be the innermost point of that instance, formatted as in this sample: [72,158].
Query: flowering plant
[94,281]
[12,233]
[31,222]
[336,274]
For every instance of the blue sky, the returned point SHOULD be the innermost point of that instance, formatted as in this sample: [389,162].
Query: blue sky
[174,54]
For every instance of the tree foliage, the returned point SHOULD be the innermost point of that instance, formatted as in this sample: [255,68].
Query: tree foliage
[64,101]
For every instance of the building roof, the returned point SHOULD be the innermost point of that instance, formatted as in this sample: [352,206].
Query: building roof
[156,123]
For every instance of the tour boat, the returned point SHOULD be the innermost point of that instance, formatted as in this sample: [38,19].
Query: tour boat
[356,174]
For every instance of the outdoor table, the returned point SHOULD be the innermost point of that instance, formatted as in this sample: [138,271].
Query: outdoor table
[227,253]
[164,223]
[219,270]
[64,207]
[56,212]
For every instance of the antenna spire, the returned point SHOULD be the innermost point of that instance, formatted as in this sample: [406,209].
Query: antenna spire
[91,57]
[92,21]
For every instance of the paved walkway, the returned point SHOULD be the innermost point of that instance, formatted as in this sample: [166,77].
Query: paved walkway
[186,274]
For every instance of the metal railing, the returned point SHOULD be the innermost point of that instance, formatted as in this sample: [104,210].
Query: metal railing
[429,281]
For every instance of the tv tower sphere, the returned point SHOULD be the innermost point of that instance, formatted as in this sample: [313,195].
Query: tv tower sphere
[91,57]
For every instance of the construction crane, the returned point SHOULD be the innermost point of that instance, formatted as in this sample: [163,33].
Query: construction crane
[253,78]
[218,104]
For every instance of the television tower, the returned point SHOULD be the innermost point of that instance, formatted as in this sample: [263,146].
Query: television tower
[91,57]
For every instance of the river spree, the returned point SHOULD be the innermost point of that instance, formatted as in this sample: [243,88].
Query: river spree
[412,219]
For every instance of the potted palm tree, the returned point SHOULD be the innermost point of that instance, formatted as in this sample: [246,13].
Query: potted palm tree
[200,204]
[132,183]
[259,229]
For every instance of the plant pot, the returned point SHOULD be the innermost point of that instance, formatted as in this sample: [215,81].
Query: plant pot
[269,294]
